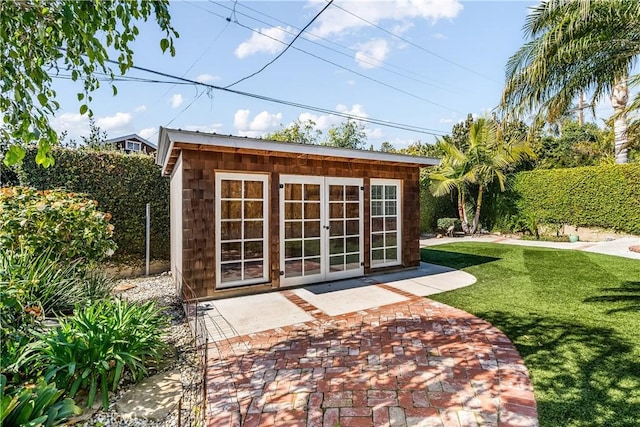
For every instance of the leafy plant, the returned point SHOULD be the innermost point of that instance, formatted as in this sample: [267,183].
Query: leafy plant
[17,323]
[445,223]
[38,405]
[96,285]
[67,225]
[599,196]
[42,280]
[94,347]
[79,37]
[122,185]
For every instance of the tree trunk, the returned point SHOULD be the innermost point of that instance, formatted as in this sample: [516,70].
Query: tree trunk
[462,211]
[581,109]
[476,217]
[619,98]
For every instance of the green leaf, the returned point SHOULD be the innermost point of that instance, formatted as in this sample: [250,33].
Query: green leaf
[80,96]
[164,44]
[83,108]
[42,98]
[14,155]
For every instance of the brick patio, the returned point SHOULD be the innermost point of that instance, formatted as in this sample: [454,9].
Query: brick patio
[413,363]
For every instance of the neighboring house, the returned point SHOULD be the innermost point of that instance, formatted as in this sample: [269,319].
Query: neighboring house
[133,144]
[250,215]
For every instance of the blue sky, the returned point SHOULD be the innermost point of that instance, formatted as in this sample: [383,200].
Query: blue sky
[450,63]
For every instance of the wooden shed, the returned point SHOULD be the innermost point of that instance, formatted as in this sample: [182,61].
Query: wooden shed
[251,215]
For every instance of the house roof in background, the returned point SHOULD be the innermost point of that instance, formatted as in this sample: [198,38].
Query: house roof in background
[171,141]
[132,136]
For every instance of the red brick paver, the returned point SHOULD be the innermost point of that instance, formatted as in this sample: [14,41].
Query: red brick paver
[414,363]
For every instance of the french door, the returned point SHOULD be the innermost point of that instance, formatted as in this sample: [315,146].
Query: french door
[321,229]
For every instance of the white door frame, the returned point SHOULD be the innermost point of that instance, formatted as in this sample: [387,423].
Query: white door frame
[325,274]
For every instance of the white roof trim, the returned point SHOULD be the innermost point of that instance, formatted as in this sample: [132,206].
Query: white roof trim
[168,137]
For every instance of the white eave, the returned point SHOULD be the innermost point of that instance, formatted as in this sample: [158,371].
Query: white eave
[168,139]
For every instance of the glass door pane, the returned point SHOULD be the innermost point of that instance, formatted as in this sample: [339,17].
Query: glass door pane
[345,240]
[301,218]
[321,226]
[385,223]
[241,229]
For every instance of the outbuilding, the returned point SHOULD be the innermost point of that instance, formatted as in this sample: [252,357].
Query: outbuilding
[250,215]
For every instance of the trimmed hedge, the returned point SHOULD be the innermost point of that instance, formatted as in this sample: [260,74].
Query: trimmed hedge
[432,208]
[605,196]
[121,183]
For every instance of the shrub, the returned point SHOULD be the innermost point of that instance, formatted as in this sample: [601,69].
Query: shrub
[432,208]
[445,223]
[42,280]
[93,348]
[605,196]
[96,285]
[40,405]
[65,224]
[17,325]
[122,183]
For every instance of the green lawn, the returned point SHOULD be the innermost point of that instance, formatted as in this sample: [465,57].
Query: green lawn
[574,317]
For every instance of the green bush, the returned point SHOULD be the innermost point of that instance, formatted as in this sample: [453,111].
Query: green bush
[445,223]
[122,184]
[40,405]
[54,221]
[432,208]
[605,196]
[17,326]
[53,285]
[92,349]
[41,280]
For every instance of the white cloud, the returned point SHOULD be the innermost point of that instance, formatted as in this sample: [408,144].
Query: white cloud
[325,121]
[262,123]
[75,124]
[374,133]
[241,119]
[439,36]
[351,82]
[212,128]
[119,122]
[205,78]
[335,21]
[446,121]
[267,40]
[372,54]
[402,28]
[176,100]
[147,132]
[355,110]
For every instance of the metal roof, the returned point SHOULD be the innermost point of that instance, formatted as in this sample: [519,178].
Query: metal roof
[171,141]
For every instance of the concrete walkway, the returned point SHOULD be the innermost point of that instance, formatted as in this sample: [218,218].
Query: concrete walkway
[617,247]
[363,352]
[233,317]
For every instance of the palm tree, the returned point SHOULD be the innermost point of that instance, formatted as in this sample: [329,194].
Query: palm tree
[576,46]
[485,158]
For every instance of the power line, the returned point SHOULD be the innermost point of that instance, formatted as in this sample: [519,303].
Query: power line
[285,49]
[385,123]
[379,64]
[413,95]
[415,45]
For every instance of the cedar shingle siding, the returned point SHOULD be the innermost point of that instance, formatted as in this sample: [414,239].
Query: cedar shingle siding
[198,194]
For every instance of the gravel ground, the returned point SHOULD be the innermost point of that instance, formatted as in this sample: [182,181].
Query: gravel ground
[178,335]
